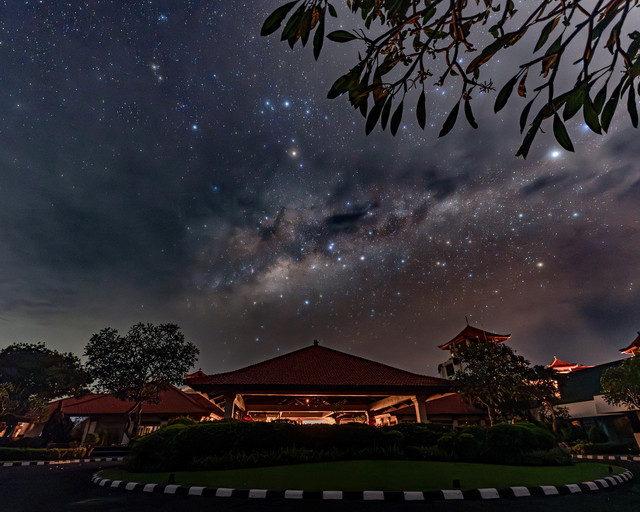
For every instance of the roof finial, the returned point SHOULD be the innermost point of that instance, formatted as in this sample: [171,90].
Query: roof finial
[316,343]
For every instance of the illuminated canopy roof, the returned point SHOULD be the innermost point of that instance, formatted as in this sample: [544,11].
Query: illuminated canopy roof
[470,333]
[317,367]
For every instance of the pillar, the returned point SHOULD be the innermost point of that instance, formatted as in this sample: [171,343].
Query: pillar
[421,408]
[229,400]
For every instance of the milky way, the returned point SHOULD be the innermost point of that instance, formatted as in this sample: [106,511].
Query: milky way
[163,162]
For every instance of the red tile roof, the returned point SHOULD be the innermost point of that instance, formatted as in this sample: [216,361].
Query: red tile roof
[318,366]
[473,333]
[564,367]
[452,404]
[633,348]
[558,363]
[173,402]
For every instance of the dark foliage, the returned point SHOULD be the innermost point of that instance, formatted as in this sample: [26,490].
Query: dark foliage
[232,444]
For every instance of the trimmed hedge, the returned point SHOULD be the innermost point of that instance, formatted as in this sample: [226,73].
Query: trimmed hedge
[8,454]
[604,448]
[230,444]
[178,446]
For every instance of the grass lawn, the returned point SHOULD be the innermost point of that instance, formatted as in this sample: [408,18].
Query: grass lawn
[377,475]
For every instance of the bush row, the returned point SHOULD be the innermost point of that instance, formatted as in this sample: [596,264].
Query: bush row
[603,448]
[42,453]
[229,444]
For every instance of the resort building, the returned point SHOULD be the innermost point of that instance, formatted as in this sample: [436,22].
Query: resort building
[581,396]
[320,384]
[106,415]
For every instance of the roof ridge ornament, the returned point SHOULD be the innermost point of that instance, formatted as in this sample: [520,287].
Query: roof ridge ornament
[316,343]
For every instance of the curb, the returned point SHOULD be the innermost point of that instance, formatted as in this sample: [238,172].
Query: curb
[69,461]
[624,458]
[607,483]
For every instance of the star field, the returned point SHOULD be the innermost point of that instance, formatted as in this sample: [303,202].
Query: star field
[161,162]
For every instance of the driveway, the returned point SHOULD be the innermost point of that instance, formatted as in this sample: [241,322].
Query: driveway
[67,488]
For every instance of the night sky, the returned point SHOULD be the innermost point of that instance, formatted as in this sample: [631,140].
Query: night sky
[161,162]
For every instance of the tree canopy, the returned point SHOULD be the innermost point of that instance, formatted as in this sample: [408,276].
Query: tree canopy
[135,367]
[579,57]
[32,374]
[504,383]
[621,384]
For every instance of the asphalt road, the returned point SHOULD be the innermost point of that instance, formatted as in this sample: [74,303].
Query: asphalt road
[67,488]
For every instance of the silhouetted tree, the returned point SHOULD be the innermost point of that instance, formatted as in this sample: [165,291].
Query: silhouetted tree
[421,45]
[504,383]
[137,366]
[621,384]
[32,374]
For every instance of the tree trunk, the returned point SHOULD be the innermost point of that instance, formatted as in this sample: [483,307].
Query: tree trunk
[10,427]
[133,421]
[490,414]
[554,418]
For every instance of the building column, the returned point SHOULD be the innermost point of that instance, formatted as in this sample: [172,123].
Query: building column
[240,406]
[421,408]
[229,399]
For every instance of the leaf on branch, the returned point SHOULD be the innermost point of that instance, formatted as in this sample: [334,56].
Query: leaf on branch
[560,133]
[504,94]
[341,36]
[522,89]
[525,114]
[575,101]
[275,19]
[632,107]
[451,121]
[318,38]
[492,49]
[396,118]
[421,110]
[469,114]
[598,101]
[386,111]
[546,32]
[292,28]
[374,115]
[332,11]
[524,148]
[548,62]
[591,116]
[609,109]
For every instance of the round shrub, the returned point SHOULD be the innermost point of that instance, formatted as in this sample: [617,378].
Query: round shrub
[506,440]
[419,434]
[597,435]
[182,420]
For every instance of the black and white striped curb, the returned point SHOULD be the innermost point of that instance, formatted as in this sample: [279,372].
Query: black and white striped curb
[628,458]
[68,461]
[607,483]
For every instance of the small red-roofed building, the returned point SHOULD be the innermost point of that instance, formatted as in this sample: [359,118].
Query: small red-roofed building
[634,348]
[320,384]
[451,410]
[106,415]
[467,335]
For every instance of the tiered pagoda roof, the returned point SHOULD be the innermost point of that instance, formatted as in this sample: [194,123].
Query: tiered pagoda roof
[561,366]
[634,348]
[470,333]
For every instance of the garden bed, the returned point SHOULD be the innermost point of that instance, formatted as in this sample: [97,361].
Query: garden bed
[386,475]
